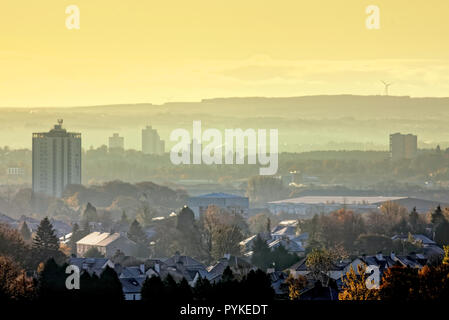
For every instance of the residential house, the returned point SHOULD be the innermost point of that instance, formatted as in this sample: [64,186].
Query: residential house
[107,243]
[184,267]
[278,279]
[132,279]
[238,265]
[425,241]
[131,287]
[290,245]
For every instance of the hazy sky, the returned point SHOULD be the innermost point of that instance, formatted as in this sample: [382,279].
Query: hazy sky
[155,51]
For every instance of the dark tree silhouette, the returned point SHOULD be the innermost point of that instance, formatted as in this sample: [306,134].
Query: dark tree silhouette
[45,238]
[46,244]
[153,290]
[25,231]
[51,282]
[202,290]
[111,287]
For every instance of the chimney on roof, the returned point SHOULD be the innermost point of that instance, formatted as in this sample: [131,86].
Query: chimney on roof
[176,257]
[379,256]
[270,270]
[142,267]
[227,256]
[157,267]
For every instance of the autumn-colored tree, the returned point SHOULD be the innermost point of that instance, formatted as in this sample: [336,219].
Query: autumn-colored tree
[226,239]
[14,284]
[320,262]
[446,255]
[221,231]
[259,223]
[295,286]
[391,217]
[434,280]
[355,286]
[13,245]
[399,283]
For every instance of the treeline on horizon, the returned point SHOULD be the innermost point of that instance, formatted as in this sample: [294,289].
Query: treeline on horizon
[343,167]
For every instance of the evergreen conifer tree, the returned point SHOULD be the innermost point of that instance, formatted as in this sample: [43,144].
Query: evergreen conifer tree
[45,238]
[25,231]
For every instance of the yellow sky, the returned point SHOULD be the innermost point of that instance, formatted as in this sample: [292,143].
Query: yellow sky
[154,51]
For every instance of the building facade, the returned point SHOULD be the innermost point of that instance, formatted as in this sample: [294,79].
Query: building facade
[229,202]
[106,243]
[151,142]
[310,205]
[116,142]
[403,146]
[56,160]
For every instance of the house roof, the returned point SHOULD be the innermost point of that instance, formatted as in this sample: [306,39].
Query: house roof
[101,239]
[90,264]
[247,240]
[291,246]
[186,261]
[417,237]
[232,262]
[288,223]
[433,250]
[319,292]
[132,285]
[387,261]
[302,237]
[285,231]
[6,219]
[131,272]
[299,266]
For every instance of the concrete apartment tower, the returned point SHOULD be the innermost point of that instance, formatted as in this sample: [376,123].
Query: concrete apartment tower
[116,142]
[56,160]
[151,142]
[403,146]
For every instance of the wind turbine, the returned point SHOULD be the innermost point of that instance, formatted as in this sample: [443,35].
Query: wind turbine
[387,85]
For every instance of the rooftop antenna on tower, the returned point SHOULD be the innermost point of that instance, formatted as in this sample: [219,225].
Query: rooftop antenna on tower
[387,85]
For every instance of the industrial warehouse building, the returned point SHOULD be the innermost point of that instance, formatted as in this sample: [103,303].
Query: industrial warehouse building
[229,202]
[310,205]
